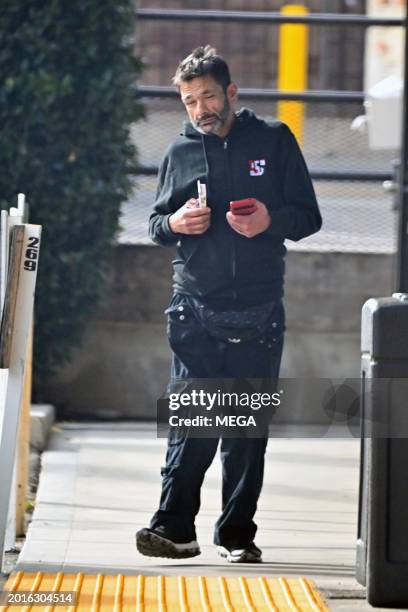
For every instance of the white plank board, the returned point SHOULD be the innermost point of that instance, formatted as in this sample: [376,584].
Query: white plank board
[4,246]
[16,216]
[4,240]
[15,382]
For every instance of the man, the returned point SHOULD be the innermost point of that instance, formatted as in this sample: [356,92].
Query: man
[226,318]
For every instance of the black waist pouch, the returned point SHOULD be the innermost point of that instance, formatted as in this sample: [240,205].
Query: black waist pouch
[235,325]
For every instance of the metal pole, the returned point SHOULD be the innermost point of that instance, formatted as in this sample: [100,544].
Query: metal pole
[402,256]
[292,72]
[166,91]
[266,16]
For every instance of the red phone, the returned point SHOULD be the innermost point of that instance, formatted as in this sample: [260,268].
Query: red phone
[243,207]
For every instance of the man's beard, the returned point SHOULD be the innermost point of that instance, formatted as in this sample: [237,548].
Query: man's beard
[220,119]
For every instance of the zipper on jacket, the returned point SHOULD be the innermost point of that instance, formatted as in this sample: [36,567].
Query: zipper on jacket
[234,263]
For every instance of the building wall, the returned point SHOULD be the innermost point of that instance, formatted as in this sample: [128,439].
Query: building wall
[335,53]
[122,368]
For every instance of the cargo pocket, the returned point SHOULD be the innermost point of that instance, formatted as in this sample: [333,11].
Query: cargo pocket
[187,338]
[182,325]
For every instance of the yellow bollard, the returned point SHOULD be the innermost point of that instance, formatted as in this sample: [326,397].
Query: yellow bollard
[292,75]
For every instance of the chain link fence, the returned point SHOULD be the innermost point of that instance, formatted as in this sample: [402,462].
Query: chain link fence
[358,215]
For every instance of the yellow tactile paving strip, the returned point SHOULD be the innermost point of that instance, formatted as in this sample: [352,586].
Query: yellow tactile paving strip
[103,593]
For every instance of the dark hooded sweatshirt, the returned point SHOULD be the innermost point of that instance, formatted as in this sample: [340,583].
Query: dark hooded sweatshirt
[259,160]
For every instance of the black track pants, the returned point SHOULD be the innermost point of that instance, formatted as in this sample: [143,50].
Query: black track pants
[197,355]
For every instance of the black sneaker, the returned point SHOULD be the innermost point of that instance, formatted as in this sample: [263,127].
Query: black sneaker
[152,543]
[245,554]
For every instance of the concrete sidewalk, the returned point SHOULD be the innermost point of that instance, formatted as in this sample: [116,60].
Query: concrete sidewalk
[100,483]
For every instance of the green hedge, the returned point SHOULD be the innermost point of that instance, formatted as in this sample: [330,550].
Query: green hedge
[67,98]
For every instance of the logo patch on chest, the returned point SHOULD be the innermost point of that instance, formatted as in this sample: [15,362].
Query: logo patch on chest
[256,167]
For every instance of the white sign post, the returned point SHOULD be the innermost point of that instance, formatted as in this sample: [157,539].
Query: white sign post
[4,250]
[13,383]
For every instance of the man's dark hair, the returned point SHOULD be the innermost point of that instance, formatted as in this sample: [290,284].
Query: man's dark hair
[203,61]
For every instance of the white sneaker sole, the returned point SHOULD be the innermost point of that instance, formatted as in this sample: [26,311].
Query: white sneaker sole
[238,556]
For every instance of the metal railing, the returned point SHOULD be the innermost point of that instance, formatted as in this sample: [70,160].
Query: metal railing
[359,215]
[263,94]
[266,17]
[147,92]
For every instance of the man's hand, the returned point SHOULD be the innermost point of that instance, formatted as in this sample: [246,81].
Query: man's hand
[251,225]
[190,220]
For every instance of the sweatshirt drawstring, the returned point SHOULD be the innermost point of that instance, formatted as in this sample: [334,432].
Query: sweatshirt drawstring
[207,167]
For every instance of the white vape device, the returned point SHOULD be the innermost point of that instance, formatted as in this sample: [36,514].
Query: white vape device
[202,194]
